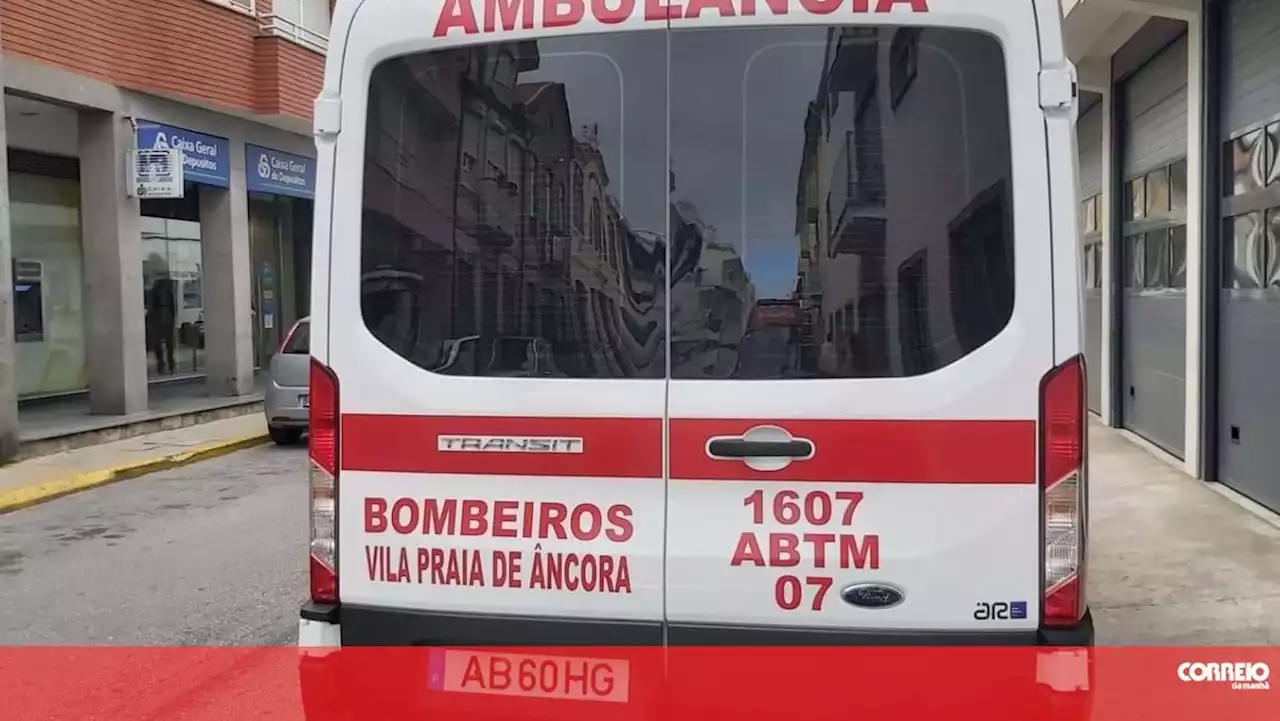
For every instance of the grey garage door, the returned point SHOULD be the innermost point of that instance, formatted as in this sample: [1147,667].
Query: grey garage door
[1153,358]
[1249,364]
[1089,139]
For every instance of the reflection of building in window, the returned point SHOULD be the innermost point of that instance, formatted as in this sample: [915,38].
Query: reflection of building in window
[28,301]
[867,162]
[981,264]
[578,208]
[310,16]
[191,292]
[914,337]
[504,73]
[904,55]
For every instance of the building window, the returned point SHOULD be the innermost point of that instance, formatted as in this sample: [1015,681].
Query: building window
[1091,238]
[48,282]
[1135,202]
[1134,257]
[504,73]
[1155,266]
[596,226]
[471,125]
[171,284]
[578,205]
[562,208]
[305,22]
[1245,159]
[1178,257]
[1155,229]
[915,338]
[904,56]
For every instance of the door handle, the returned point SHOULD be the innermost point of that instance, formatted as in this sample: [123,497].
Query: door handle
[741,448]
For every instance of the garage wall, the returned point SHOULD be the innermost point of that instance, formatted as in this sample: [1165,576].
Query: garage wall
[1153,365]
[1249,312]
[1089,142]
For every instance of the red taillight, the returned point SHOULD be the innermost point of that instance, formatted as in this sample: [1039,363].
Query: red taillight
[323,448]
[323,429]
[1063,489]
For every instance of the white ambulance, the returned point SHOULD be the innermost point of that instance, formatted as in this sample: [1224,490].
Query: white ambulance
[614,189]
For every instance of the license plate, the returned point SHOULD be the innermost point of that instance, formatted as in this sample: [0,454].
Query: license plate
[304,400]
[515,674]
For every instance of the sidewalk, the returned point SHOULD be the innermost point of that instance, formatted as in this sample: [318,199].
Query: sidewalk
[56,425]
[39,479]
[1174,561]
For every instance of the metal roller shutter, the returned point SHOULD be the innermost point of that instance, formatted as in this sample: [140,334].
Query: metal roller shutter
[1153,365]
[1156,111]
[1249,312]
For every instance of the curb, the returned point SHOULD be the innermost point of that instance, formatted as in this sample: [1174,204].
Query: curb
[26,496]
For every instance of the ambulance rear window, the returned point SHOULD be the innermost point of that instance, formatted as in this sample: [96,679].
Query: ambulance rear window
[729,203]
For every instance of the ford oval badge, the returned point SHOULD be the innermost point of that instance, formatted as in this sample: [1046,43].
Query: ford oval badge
[872,595]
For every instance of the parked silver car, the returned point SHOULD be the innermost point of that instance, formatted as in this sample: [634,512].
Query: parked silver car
[288,397]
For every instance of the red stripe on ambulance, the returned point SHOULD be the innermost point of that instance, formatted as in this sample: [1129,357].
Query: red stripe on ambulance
[503,446]
[870,451]
[508,15]
[854,451]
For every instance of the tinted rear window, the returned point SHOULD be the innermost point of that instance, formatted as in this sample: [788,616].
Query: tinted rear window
[745,203]
[300,340]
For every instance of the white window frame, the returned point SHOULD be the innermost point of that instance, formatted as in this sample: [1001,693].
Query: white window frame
[294,31]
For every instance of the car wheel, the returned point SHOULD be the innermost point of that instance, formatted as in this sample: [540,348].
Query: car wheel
[284,436]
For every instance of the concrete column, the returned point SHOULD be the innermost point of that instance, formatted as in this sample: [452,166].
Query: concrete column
[1197,283]
[8,351]
[224,252]
[115,319]
[1108,244]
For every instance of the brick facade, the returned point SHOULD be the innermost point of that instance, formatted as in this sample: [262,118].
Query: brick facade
[287,77]
[192,50]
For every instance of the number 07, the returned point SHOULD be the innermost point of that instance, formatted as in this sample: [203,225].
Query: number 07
[788,590]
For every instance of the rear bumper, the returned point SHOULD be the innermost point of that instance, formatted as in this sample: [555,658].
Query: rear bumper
[1036,678]
[282,405]
[386,627]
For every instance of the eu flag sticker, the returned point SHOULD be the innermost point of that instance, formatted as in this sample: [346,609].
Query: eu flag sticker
[1018,609]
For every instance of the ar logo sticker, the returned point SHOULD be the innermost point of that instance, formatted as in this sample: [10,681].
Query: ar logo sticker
[1000,610]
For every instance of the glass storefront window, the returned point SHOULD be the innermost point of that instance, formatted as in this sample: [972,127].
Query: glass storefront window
[48,285]
[279,231]
[171,285]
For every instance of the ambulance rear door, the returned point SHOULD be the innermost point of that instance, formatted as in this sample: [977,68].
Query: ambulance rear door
[873,471]
[501,436]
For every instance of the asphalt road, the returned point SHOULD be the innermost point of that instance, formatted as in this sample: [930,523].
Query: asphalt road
[210,554]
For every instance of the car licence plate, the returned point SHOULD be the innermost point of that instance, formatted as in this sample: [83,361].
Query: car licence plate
[516,674]
[304,400]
